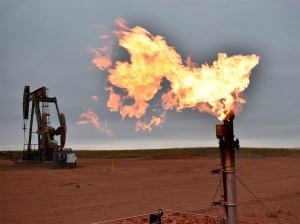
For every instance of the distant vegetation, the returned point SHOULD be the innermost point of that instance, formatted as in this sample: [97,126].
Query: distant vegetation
[11,155]
[148,153]
[212,152]
[267,152]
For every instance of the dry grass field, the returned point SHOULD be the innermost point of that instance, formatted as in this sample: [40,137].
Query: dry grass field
[106,189]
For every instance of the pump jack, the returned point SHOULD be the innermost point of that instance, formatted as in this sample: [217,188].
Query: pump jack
[47,146]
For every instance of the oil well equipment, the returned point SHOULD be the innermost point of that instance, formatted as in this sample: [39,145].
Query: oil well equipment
[46,149]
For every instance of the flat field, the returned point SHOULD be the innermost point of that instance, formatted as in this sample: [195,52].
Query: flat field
[106,189]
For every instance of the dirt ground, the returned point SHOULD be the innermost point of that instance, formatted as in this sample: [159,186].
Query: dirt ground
[105,189]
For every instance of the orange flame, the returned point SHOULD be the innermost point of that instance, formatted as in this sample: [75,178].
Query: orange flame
[90,117]
[102,57]
[215,88]
[95,98]
[104,36]
[114,101]
[157,121]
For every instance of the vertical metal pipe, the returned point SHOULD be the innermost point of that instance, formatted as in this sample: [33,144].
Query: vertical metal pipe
[30,129]
[222,156]
[229,146]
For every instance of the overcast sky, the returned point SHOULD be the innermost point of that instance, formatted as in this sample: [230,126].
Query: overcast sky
[45,43]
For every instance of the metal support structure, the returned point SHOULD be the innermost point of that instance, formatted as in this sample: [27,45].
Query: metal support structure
[227,145]
[45,133]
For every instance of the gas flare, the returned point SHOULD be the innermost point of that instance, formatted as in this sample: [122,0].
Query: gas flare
[215,88]
[90,117]
[102,57]
[95,98]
